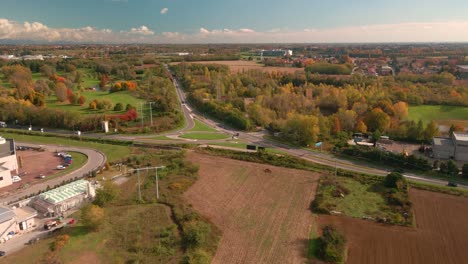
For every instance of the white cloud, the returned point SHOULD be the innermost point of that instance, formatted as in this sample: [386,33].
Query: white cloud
[204,31]
[164,11]
[449,31]
[143,30]
[246,30]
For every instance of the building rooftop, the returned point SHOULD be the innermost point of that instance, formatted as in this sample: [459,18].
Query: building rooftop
[7,148]
[24,213]
[65,192]
[463,67]
[460,136]
[441,141]
[6,214]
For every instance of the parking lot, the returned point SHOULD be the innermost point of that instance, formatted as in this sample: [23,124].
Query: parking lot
[33,163]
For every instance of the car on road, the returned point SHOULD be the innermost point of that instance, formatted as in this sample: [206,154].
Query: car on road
[2,253]
[452,184]
[15,178]
[60,167]
[40,176]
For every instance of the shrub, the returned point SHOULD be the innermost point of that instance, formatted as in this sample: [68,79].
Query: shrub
[118,107]
[332,245]
[395,180]
[195,234]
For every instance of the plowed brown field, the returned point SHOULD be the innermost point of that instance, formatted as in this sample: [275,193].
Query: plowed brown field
[241,65]
[440,236]
[264,216]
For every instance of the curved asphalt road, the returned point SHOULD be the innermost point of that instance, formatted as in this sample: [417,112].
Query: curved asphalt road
[95,160]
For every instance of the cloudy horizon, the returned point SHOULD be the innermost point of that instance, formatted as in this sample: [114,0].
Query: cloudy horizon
[208,21]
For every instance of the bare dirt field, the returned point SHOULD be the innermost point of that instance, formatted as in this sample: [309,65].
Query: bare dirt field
[33,163]
[241,65]
[264,216]
[440,236]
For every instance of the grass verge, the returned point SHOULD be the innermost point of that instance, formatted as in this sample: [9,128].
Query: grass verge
[202,127]
[205,136]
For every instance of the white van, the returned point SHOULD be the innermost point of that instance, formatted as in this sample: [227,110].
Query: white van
[15,178]
[3,124]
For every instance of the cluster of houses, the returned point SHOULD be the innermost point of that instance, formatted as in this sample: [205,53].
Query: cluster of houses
[33,57]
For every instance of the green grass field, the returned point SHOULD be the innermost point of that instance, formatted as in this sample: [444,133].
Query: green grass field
[202,127]
[361,200]
[205,136]
[119,97]
[113,152]
[427,113]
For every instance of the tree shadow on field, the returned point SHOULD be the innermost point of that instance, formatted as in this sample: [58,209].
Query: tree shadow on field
[376,188]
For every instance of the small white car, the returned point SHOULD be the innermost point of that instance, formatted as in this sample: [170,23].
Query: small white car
[60,167]
[15,178]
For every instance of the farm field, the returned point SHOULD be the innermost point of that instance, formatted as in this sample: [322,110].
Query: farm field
[440,235]
[264,216]
[444,115]
[241,65]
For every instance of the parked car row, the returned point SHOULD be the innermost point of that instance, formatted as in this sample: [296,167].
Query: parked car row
[67,160]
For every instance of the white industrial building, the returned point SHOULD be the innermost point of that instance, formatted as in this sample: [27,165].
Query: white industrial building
[8,161]
[13,221]
[59,200]
[455,147]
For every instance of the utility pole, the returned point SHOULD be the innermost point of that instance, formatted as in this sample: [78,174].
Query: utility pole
[151,112]
[139,188]
[142,116]
[336,169]
[157,182]
[139,182]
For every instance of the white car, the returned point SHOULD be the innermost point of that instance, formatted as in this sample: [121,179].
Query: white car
[15,178]
[60,167]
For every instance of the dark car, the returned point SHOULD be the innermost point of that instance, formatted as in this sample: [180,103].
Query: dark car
[452,184]
[2,253]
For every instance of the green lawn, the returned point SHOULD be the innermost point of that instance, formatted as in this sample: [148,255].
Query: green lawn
[205,136]
[88,78]
[202,127]
[360,201]
[113,152]
[353,198]
[427,113]
[119,97]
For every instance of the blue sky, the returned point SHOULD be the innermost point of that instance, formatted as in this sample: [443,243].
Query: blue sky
[234,21]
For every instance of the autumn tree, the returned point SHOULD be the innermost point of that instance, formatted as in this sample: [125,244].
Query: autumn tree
[377,120]
[301,129]
[92,216]
[47,70]
[61,92]
[104,80]
[400,110]
[81,100]
[431,131]
[106,194]
[347,119]
[360,127]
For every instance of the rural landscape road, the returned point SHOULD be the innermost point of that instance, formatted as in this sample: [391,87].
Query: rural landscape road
[95,160]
